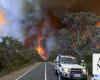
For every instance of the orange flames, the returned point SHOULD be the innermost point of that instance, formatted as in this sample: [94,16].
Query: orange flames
[2,17]
[98,24]
[54,23]
[40,49]
[41,52]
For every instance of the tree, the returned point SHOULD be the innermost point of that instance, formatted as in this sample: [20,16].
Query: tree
[14,55]
[82,27]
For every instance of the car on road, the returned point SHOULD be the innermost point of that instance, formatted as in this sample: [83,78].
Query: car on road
[67,67]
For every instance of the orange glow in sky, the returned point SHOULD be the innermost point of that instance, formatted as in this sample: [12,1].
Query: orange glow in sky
[2,17]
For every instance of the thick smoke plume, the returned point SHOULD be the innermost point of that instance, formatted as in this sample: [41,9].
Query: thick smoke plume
[45,33]
[42,34]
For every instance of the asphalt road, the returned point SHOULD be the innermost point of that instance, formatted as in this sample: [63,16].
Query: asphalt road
[41,72]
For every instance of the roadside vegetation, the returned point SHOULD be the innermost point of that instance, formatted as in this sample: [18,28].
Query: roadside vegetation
[13,55]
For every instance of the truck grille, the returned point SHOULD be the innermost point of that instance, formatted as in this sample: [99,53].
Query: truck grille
[76,71]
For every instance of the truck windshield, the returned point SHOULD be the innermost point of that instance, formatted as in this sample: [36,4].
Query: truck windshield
[68,60]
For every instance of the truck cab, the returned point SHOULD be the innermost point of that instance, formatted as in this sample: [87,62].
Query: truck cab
[67,67]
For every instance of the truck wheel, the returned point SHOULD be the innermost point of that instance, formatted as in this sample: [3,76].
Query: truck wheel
[61,77]
[56,73]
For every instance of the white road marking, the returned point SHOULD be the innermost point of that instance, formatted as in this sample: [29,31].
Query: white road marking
[45,71]
[28,71]
[59,77]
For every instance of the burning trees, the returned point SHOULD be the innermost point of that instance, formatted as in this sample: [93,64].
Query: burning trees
[44,32]
[82,26]
[47,28]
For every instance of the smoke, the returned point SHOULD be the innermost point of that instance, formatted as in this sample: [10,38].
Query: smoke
[50,44]
[25,21]
[49,33]
[41,29]
[36,10]
[13,13]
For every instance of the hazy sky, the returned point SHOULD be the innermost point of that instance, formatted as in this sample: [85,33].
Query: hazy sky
[13,13]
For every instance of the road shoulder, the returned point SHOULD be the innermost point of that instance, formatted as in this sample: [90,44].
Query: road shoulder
[16,74]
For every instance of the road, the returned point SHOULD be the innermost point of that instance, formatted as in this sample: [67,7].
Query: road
[41,72]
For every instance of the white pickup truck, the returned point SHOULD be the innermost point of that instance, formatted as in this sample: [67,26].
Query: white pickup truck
[67,67]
